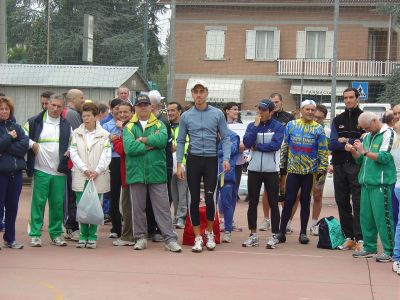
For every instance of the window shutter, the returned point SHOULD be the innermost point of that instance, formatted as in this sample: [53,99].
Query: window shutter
[277,42]
[301,44]
[329,44]
[215,44]
[250,44]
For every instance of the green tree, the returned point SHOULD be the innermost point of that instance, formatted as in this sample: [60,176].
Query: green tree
[391,93]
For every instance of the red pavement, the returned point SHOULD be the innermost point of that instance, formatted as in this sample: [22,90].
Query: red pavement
[292,271]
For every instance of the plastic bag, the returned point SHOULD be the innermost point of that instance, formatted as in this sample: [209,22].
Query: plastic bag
[89,210]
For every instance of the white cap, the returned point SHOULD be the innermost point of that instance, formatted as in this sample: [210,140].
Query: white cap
[307,102]
[154,94]
[198,82]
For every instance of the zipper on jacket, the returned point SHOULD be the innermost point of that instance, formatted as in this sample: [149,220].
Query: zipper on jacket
[261,153]
[365,160]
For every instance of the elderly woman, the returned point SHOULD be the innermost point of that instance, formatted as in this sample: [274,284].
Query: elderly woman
[13,146]
[90,152]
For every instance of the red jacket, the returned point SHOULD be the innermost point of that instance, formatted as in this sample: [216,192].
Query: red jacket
[118,145]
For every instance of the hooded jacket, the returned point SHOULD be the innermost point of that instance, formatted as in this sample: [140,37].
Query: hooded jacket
[145,165]
[12,151]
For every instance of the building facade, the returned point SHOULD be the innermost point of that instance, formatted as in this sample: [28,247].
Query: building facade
[247,50]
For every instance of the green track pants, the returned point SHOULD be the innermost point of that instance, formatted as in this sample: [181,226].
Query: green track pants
[51,187]
[376,217]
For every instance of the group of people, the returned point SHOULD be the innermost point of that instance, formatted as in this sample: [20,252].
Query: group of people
[143,161]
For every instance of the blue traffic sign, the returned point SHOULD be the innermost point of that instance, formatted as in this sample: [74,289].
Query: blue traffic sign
[362,88]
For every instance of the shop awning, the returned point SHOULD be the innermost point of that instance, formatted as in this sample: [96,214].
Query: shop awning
[220,89]
[317,88]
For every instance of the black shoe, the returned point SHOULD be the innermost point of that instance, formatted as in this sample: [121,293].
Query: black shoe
[281,238]
[303,239]
[107,219]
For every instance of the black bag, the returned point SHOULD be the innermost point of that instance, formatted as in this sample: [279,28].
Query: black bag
[330,233]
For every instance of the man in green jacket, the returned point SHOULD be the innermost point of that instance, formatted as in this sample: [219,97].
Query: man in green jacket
[376,177]
[145,138]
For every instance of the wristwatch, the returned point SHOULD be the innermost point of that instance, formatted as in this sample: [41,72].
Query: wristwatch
[365,153]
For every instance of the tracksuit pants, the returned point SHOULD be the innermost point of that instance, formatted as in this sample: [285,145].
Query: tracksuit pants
[293,183]
[227,203]
[10,190]
[180,197]
[126,208]
[51,187]
[271,185]
[396,250]
[376,217]
[345,181]
[115,193]
[160,203]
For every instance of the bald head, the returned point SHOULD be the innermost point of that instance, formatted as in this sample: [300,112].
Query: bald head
[75,99]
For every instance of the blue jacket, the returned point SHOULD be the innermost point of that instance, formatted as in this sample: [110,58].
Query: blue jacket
[265,141]
[12,151]
[235,140]
[203,128]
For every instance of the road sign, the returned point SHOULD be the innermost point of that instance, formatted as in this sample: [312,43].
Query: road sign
[362,88]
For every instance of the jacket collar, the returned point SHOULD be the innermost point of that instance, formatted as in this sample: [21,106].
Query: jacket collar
[152,120]
[98,130]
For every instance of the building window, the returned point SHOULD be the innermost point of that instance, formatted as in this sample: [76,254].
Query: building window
[215,44]
[262,44]
[314,43]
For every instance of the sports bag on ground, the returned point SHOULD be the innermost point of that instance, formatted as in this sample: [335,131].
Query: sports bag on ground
[330,233]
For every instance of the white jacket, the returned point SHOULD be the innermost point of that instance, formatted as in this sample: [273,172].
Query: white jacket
[90,151]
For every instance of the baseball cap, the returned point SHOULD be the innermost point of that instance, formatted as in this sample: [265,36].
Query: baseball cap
[199,82]
[266,104]
[155,94]
[142,99]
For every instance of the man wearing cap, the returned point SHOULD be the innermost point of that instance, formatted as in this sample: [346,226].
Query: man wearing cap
[145,138]
[304,152]
[345,130]
[264,137]
[114,127]
[205,125]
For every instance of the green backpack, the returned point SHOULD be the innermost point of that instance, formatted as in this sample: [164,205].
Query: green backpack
[330,233]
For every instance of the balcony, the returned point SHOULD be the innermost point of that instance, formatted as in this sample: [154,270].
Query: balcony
[345,69]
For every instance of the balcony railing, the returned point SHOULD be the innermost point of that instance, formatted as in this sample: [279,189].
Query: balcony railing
[344,68]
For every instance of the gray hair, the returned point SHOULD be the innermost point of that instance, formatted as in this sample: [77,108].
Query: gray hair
[367,117]
[57,97]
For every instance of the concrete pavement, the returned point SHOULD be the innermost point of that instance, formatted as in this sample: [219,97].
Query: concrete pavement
[292,271]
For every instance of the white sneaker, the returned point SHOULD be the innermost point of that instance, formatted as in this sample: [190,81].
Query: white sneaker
[71,235]
[396,267]
[289,229]
[58,241]
[113,235]
[198,244]
[36,242]
[91,245]
[173,247]
[140,244]
[221,225]
[227,237]
[265,225]
[210,245]
[81,244]
[314,230]
[120,242]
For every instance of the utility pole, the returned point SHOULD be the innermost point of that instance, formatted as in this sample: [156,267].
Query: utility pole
[3,32]
[171,54]
[145,37]
[48,32]
[334,60]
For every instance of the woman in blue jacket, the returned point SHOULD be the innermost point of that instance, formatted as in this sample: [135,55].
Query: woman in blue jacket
[228,192]
[13,146]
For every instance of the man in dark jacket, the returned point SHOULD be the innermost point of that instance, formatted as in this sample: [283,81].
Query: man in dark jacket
[345,130]
[49,136]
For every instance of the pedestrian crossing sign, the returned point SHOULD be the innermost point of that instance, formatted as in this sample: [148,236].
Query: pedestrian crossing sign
[362,88]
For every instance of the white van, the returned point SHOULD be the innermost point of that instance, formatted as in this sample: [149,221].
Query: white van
[377,108]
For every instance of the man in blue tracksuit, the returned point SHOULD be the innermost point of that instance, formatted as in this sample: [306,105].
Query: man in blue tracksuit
[264,137]
[205,125]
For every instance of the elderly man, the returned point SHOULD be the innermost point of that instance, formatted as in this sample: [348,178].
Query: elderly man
[377,175]
[396,113]
[49,135]
[145,138]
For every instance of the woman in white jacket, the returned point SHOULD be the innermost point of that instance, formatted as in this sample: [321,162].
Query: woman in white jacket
[90,153]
